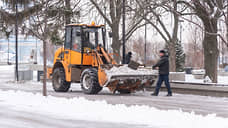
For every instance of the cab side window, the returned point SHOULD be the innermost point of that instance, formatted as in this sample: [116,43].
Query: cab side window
[76,39]
[68,38]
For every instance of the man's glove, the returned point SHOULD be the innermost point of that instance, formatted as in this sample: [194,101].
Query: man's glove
[153,67]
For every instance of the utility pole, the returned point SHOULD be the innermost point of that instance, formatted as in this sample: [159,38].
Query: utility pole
[123,32]
[16,33]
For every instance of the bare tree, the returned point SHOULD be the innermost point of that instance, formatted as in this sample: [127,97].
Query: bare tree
[135,44]
[61,12]
[209,12]
[39,27]
[113,19]
[154,12]
[47,22]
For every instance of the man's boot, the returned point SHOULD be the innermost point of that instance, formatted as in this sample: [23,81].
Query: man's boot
[169,94]
[154,94]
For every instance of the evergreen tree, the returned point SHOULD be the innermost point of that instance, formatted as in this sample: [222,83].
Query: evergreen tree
[180,56]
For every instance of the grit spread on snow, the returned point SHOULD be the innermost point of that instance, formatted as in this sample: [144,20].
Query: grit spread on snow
[82,109]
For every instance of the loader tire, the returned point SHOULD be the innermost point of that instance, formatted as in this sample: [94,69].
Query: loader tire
[59,82]
[89,81]
[124,91]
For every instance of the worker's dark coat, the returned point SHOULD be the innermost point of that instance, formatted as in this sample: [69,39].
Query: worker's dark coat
[163,65]
[128,58]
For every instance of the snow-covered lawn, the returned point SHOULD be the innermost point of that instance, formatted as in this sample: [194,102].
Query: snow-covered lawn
[82,109]
[221,79]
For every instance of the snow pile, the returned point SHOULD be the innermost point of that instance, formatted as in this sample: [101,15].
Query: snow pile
[207,80]
[82,109]
[125,70]
[4,56]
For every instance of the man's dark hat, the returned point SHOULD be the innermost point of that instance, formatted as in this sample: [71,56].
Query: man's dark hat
[162,51]
[130,53]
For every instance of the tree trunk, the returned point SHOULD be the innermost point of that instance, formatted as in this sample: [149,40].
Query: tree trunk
[116,43]
[172,56]
[68,12]
[210,45]
[223,52]
[172,43]
[45,68]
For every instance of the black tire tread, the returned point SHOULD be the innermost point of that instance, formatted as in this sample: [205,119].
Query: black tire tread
[64,86]
[95,88]
[124,91]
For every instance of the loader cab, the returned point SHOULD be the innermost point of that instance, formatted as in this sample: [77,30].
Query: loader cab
[80,40]
[83,38]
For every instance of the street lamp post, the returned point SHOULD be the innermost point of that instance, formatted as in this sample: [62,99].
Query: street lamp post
[8,53]
[145,37]
[16,33]
[123,32]
[36,59]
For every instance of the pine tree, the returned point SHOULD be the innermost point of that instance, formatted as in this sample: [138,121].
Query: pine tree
[180,56]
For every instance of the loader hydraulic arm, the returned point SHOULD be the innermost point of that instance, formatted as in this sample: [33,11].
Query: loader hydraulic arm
[109,59]
[101,53]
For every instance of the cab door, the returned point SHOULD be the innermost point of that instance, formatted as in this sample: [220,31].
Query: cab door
[76,48]
[67,45]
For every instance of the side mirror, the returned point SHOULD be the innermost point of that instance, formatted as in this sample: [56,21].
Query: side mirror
[78,34]
[87,51]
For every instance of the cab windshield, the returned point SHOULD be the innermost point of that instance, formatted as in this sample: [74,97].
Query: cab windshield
[92,36]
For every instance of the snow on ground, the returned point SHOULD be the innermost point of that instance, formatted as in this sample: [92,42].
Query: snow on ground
[8,72]
[101,111]
[82,109]
[190,78]
[223,79]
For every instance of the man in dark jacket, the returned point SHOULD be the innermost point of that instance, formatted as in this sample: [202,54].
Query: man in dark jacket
[128,57]
[163,67]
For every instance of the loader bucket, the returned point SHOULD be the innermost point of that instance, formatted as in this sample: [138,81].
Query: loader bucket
[122,77]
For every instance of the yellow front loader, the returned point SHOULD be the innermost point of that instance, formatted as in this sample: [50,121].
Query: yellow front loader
[84,59]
